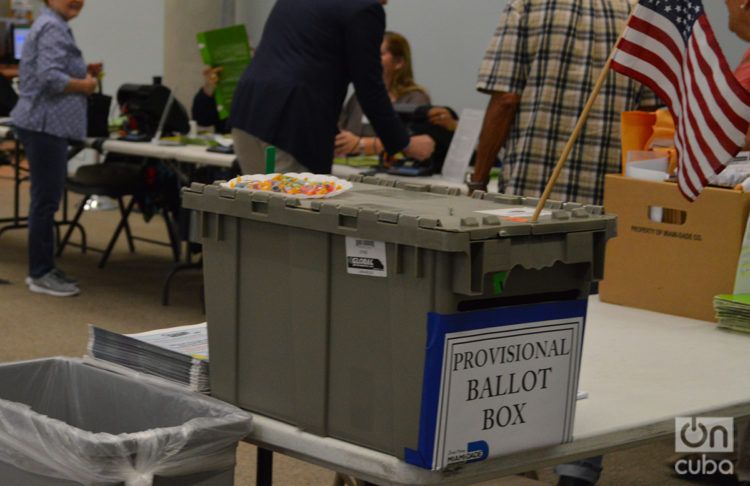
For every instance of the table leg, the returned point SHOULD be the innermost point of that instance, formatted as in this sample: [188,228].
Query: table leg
[264,474]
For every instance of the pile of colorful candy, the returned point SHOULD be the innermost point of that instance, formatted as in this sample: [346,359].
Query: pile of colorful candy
[303,185]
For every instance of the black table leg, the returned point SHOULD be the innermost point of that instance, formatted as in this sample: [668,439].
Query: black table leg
[264,473]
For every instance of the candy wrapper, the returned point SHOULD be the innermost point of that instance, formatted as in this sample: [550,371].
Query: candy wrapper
[292,184]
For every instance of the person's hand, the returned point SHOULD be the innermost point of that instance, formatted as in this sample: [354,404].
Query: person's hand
[210,79]
[95,69]
[442,117]
[346,143]
[89,84]
[420,147]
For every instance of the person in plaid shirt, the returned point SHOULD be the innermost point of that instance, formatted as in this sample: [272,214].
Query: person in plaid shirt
[540,68]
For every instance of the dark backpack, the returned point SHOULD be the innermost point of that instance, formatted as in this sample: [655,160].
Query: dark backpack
[8,96]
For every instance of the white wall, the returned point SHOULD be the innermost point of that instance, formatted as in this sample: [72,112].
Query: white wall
[127,35]
[183,67]
[732,46]
[253,14]
[449,37]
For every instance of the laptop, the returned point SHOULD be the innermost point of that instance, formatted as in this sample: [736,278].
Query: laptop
[18,37]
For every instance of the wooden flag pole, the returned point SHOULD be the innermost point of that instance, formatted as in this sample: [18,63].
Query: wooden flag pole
[578,128]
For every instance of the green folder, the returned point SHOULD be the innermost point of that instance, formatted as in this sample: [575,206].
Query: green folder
[358,161]
[227,48]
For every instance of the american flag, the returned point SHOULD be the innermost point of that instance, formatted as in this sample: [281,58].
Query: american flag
[669,46]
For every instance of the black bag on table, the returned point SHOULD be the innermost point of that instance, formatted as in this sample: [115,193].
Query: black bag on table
[98,114]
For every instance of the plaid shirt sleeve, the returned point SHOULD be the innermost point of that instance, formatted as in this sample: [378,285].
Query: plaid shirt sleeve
[53,58]
[505,65]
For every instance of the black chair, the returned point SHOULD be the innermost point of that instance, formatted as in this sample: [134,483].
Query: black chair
[8,96]
[117,180]
[416,119]
[8,99]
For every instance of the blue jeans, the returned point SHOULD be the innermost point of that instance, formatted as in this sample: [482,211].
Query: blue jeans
[48,165]
[587,469]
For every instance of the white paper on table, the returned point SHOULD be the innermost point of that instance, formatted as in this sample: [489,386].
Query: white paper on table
[462,146]
[223,140]
[519,212]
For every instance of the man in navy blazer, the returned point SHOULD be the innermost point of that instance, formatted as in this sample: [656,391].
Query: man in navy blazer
[292,93]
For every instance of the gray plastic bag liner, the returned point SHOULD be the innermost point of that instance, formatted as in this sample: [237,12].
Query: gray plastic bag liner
[66,419]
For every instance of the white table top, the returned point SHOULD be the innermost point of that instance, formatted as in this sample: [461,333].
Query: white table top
[4,129]
[194,154]
[640,369]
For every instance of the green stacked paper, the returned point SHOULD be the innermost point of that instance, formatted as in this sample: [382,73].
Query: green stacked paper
[733,311]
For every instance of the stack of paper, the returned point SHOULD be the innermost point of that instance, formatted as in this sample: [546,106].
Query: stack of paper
[733,311]
[178,354]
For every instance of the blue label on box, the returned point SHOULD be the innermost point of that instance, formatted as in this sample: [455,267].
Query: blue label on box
[498,381]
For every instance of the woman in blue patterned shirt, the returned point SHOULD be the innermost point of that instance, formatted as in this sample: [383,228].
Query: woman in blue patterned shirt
[51,111]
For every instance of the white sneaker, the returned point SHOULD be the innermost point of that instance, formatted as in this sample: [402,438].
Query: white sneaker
[62,275]
[52,284]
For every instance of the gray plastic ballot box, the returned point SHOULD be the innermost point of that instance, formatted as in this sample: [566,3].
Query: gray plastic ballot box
[409,319]
[66,422]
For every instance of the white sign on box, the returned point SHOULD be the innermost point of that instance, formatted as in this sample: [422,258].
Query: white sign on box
[505,381]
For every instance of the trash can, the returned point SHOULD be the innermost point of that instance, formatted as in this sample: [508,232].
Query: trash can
[343,315]
[66,422]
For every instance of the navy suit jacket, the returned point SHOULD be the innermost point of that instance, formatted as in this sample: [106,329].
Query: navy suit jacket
[292,93]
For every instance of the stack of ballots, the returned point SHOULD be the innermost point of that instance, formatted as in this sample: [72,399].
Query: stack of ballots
[178,354]
[733,311]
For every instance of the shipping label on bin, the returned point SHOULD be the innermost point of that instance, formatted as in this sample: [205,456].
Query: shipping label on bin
[366,257]
[498,382]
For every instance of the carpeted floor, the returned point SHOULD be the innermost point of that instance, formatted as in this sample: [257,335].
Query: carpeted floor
[125,297]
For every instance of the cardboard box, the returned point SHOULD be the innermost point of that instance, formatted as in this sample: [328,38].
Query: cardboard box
[678,267]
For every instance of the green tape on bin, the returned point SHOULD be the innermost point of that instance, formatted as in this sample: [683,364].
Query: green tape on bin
[498,281]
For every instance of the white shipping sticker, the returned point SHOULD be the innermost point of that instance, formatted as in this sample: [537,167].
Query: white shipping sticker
[519,214]
[366,257]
